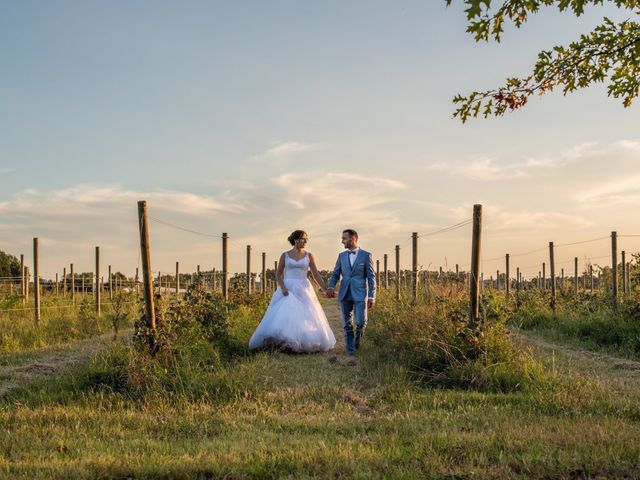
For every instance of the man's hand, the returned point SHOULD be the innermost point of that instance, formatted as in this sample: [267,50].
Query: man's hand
[285,291]
[330,293]
[370,303]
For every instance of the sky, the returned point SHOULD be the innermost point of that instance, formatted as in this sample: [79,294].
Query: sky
[258,118]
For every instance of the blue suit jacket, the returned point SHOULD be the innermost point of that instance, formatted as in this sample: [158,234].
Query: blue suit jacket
[361,278]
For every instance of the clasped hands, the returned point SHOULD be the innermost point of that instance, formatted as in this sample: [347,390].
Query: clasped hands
[330,293]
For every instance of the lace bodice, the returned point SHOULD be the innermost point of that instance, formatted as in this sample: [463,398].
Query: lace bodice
[296,269]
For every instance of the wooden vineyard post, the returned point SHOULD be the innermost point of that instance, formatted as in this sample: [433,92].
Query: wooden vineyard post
[552,272]
[137,282]
[27,277]
[177,278]
[36,281]
[544,276]
[386,271]
[614,268]
[249,269]
[22,280]
[57,285]
[110,277]
[517,278]
[225,269]
[275,275]
[591,278]
[73,284]
[414,267]
[507,280]
[628,278]
[474,291]
[497,280]
[263,279]
[575,275]
[147,280]
[97,284]
[397,272]
[624,273]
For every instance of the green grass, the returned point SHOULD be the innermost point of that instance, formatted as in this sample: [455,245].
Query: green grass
[214,411]
[587,321]
[62,322]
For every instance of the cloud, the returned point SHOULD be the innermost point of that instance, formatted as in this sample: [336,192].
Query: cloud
[529,223]
[75,219]
[88,199]
[613,180]
[490,169]
[6,170]
[291,148]
[331,188]
[624,190]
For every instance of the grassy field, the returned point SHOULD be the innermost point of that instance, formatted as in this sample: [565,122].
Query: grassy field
[274,415]
[61,321]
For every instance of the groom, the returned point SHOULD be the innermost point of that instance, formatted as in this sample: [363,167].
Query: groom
[357,290]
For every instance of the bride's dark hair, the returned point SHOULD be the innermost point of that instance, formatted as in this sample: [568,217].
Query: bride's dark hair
[295,235]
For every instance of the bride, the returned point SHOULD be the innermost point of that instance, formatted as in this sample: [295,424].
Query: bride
[294,320]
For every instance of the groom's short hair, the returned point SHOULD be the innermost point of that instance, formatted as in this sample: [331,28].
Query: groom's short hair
[351,232]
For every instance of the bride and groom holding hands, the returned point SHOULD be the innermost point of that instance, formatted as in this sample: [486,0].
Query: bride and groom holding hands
[295,320]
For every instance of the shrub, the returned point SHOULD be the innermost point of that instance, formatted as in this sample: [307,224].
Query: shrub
[440,347]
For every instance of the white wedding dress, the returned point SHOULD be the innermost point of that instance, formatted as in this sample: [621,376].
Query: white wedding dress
[295,322]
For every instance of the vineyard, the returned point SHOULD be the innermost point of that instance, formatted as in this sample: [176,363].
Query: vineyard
[462,373]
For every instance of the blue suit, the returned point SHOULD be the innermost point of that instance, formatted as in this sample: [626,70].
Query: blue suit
[358,284]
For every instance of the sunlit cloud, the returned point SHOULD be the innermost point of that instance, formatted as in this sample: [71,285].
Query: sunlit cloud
[625,190]
[89,198]
[291,148]
[491,169]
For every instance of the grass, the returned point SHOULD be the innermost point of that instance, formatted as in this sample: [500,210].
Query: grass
[62,322]
[587,320]
[214,411]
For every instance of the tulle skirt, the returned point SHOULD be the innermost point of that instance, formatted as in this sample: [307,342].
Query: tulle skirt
[295,322]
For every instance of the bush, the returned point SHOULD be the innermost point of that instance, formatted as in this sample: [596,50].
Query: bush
[197,339]
[440,347]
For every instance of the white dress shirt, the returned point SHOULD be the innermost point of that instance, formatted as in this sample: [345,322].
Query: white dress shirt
[352,256]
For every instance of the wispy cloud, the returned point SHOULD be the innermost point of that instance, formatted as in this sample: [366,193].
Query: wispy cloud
[491,169]
[615,180]
[334,188]
[498,219]
[625,190]
[291,148]
[91,198]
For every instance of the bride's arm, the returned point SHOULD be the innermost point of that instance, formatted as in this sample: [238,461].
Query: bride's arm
[314,273]
[280,275]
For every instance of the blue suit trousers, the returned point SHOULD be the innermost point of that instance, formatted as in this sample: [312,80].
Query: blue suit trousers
[350,309]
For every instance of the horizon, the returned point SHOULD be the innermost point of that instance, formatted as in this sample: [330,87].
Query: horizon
[258,120]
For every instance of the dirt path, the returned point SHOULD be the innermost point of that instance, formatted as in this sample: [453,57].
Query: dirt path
[20,370]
